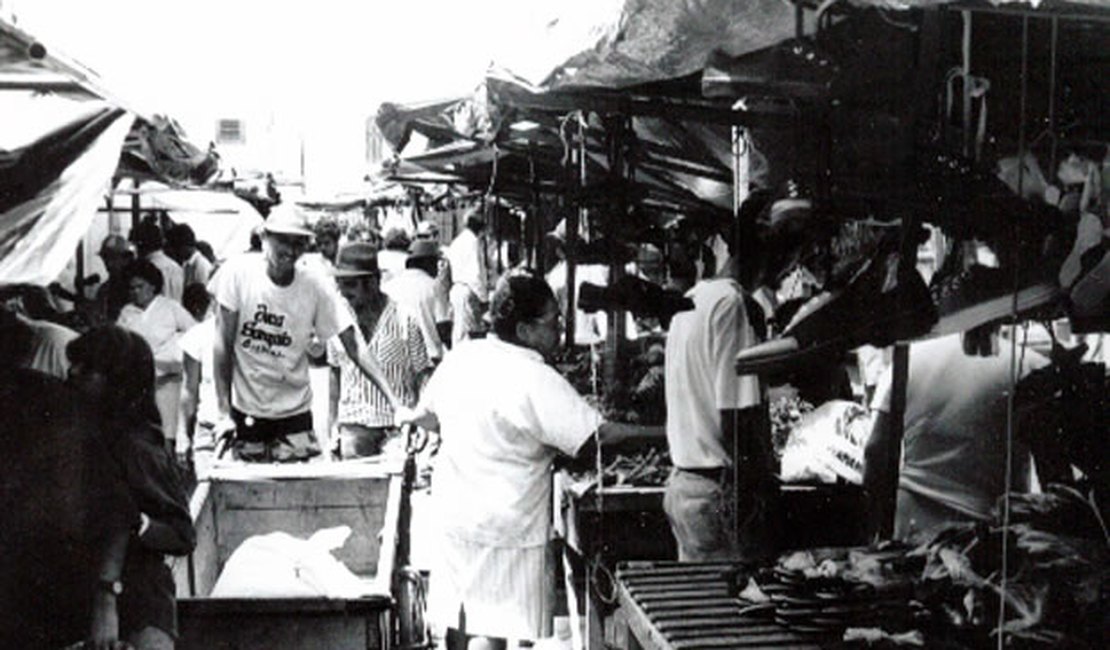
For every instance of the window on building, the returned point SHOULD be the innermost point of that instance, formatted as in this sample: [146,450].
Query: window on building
[230,131]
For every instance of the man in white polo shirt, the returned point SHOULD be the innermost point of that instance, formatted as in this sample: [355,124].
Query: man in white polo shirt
[714,420]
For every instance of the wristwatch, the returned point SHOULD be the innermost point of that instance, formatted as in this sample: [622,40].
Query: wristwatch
[114,587]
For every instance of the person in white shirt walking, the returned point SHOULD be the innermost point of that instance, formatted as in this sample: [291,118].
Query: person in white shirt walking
[416,293]
[181,246]
[470,289]
[149,242]
[161,322]
[269,310]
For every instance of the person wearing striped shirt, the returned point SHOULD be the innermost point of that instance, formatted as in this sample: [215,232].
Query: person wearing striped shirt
[361,416]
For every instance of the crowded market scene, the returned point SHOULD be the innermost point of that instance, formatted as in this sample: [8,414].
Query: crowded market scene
[585,325]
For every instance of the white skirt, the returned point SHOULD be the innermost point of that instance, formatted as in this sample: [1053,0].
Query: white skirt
[489,591]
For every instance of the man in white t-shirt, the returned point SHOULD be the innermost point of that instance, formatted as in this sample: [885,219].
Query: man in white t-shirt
[269,311]
[415,291]
[470,279]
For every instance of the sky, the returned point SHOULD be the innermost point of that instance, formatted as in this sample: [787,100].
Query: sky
[162,54]
[323,66]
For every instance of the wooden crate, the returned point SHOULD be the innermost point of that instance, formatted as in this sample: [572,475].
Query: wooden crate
[241,502]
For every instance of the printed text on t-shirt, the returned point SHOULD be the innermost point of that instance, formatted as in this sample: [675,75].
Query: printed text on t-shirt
[261,339]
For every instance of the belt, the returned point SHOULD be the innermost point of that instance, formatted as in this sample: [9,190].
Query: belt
[711,473]
[250,428]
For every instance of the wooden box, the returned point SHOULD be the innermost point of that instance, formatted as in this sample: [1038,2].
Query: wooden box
[238,502]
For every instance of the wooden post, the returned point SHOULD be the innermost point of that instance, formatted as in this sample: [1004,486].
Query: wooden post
[578,156]
[618,130]
[136,214]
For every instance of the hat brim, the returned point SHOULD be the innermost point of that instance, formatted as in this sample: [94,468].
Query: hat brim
[351,273]
[292,231]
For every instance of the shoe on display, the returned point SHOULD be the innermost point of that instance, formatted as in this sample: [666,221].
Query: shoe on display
[1089,299]
[876,307]
[797,68]
[632,294]
[979,294]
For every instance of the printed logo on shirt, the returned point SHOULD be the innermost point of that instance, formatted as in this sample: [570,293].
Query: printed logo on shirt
[258,334]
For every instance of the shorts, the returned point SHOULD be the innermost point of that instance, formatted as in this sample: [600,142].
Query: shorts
[280,440]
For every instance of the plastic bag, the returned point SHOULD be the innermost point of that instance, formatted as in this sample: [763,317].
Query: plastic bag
[827,444]
[279,565]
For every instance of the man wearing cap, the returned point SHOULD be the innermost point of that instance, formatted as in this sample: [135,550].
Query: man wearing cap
[116,253]
[470,289]
[148,239]
[268,312]
[416,293]
[360,414]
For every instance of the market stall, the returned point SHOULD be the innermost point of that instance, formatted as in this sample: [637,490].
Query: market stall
[884,168]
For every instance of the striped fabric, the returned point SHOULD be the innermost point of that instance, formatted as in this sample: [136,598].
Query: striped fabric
[497,592]
[398,346]
[49,192]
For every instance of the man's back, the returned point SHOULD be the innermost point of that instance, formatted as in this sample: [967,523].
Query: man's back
[415,293]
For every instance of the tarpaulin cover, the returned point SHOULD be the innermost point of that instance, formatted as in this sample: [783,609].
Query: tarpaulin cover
[156,149]
[664,39]
[50,190]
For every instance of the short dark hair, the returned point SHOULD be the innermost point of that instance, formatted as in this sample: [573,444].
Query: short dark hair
[195,298]
[144,269]
[127,363]
[520,296]
[326,227]
[147,236]
[181,235]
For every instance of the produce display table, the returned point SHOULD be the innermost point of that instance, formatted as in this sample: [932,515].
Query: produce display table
[671,605]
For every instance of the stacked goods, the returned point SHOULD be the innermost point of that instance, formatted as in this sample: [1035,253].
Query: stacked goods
[826,591]
[949,591]
[1057,575]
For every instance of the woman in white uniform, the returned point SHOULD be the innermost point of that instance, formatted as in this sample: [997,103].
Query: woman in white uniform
[161,322]
[503,414]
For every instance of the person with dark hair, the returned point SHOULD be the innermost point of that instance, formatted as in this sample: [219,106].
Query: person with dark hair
[416,292]
[470,277]
[116,253]
[713,419]
[198,407]
[65,518]
[115,369]
[269,311]
[148,240]
[48,339]
[161,322]
[209,254]
[181,245]
[361,416]
[327,232]
[492,485]
[395,247]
